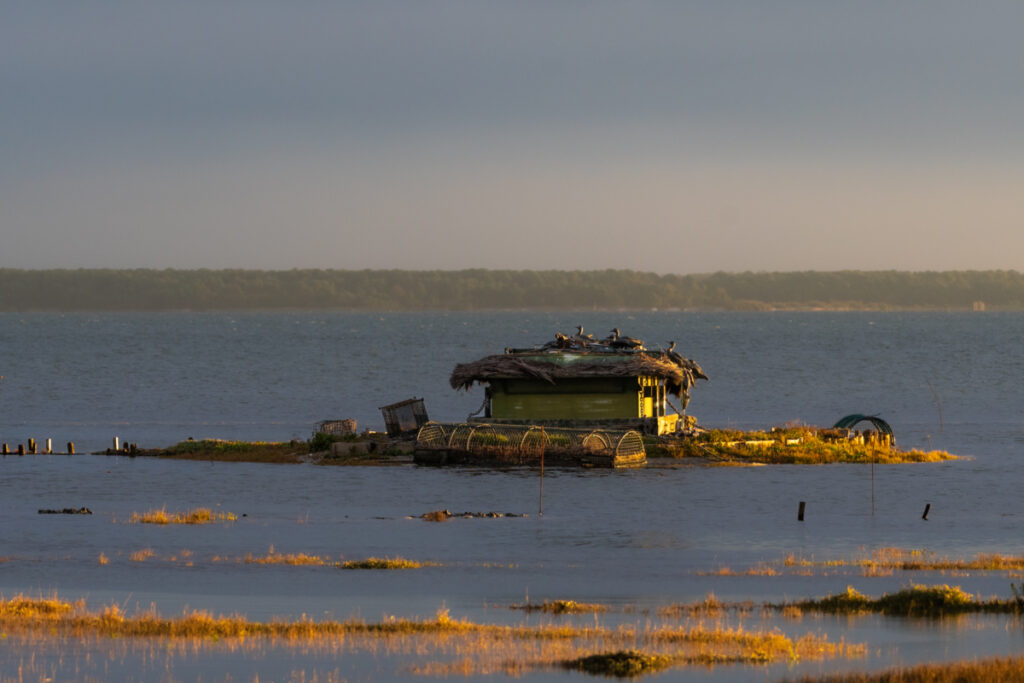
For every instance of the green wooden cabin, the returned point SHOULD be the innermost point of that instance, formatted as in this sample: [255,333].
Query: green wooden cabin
[582,387]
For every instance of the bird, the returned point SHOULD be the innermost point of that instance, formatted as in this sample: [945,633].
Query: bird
[617,341]
[684,362]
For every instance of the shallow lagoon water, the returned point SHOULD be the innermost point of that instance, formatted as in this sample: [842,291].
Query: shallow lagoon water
[632,540]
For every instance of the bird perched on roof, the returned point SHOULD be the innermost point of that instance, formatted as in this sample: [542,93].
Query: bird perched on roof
[617,341]
[684,362]
[582,339]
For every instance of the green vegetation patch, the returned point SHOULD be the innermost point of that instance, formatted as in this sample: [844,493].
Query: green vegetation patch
[237,451]
[791,445]
[917,600]
[621,664]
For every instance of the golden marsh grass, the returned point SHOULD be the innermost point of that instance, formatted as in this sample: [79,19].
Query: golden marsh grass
[194,516]
[993,670]
[792,444]
[883,561]
[441,645]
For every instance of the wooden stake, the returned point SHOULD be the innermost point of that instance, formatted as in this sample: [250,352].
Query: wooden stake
[800,512]
[543,438]
[927,507]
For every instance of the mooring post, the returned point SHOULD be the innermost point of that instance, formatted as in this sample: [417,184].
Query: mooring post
[927,507]
[800,512]
[542,449]
[71,447]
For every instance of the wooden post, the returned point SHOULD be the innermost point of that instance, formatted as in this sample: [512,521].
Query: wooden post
[7,449]
[71,447]
[800,512]
[21,449]
[927,507]
[543,439]
[49,446]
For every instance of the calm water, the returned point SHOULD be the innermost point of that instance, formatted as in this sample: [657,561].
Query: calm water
[636,538]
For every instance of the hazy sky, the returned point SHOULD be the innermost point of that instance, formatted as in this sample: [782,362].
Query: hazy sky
[666,136]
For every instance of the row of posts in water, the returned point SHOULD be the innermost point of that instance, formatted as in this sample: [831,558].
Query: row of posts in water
[803,506]
[33,448]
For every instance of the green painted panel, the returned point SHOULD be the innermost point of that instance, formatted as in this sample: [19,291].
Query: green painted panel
[564,406]
[589,385]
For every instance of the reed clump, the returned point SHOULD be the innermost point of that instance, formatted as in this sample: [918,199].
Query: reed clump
[194,516]
[24,607]
[915,600]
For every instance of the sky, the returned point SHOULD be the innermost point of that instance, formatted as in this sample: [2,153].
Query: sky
[667,136]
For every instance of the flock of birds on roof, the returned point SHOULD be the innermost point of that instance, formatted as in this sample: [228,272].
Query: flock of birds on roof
[617,343]
[587,342]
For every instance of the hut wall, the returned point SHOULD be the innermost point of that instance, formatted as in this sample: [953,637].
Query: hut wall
[569,399]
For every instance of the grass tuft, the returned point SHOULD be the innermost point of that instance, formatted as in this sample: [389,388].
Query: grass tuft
[23,607]
[194,516]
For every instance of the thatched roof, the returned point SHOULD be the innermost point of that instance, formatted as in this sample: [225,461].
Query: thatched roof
[553,366]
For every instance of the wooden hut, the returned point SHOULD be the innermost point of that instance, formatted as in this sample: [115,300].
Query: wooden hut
[582,382]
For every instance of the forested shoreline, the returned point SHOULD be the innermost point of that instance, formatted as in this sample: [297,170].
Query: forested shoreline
[479,289]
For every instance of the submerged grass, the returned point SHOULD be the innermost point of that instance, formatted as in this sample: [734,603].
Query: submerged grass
[442,645]
[294,559]
[384,563]
[560,607]
[194,516]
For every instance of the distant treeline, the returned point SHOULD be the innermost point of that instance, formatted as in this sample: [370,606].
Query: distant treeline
[204,290]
